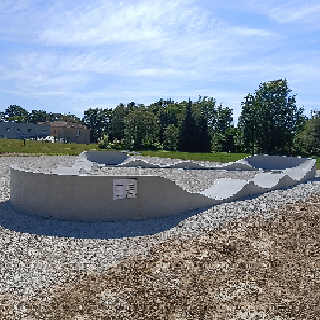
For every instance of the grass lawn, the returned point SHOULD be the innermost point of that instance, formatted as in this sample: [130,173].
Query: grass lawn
[214,157]
[16,147]
[318,162]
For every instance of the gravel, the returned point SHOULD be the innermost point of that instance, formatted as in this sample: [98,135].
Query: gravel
[37,252]
[189,180]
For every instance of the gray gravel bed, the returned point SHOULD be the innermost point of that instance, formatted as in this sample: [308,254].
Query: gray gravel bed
[37,253]
[166,161]
[189,180]
[40,163]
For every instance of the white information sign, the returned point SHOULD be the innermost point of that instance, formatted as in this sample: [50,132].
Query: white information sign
[125,189]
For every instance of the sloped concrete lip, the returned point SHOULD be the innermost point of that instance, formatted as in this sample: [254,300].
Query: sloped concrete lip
[224,188]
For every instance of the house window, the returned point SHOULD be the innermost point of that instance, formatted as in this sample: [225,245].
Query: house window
[18,129]
[78,133]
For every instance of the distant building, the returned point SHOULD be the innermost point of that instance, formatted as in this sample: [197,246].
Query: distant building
[16,130]
[69,132]
[60,130]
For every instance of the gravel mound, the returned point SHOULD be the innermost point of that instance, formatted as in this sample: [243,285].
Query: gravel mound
[258,269]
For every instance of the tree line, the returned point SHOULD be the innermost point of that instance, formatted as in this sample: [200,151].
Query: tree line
[270,122]
[16,113]
[185,126]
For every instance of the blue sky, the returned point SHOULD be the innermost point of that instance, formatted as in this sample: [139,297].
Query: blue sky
[66,56]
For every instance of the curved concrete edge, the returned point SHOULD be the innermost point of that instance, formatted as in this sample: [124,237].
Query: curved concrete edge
[234,189]
[187,165]
[236,166]
[104,157]
[68,196]
[273,162]
[227,189]
[138,163]
[250,163]
[91,197]
[303,172]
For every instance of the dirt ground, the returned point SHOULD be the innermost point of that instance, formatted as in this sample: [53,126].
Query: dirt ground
[250,269]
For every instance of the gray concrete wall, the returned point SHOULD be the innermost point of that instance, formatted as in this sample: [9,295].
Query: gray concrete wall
[90,197]
[104,157]
[13,130]
[227,189]
[274,162]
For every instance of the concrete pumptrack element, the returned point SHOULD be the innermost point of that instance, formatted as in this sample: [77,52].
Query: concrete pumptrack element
[72,193]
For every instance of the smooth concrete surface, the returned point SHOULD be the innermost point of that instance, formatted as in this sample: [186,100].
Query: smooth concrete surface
[91,197]
[104,157]
[272,162]
[72,193]
[227,189]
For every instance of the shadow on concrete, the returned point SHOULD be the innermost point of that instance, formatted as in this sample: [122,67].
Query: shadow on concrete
[26,223]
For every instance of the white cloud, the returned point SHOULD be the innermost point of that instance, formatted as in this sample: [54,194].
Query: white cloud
[296,13]
[150,39]
[249,32]
[107,22]
[159,72]
[288,11]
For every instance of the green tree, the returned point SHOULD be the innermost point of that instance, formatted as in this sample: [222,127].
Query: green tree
[203,137]
[270,118]
[16,113]
[227,141]
[168,113]
[70,118]
[307,142]
[248,123]
[188,140]
[36,116]
[220,123]
[98,121]
[117,122]
[207,107]
[141,129]
[223,119]
[171,137]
